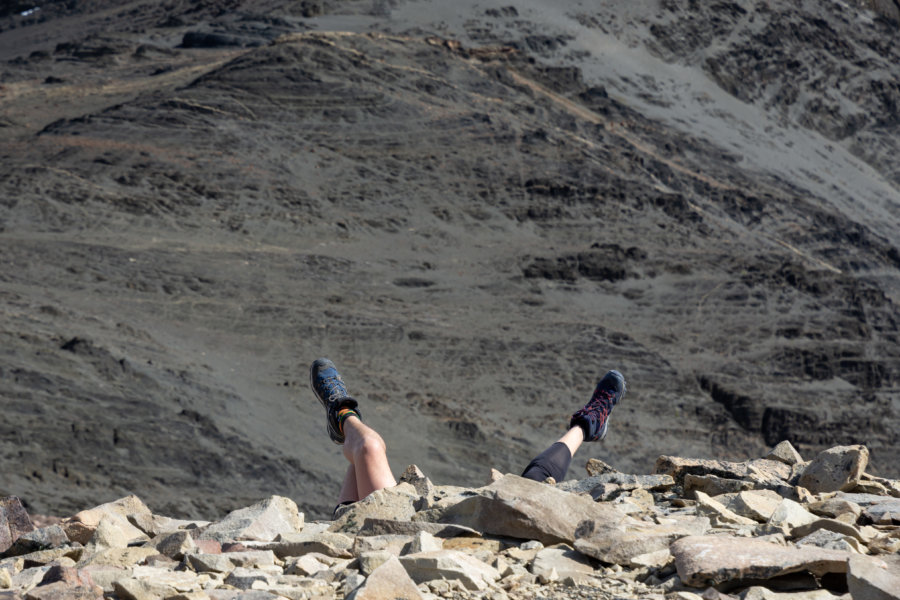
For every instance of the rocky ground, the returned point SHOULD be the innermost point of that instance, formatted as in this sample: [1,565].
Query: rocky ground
[474,208]
[776,528]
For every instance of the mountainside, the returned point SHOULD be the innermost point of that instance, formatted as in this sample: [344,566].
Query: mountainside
[474,209]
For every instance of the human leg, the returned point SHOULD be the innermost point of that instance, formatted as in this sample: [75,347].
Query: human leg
[589,423]
[365,449]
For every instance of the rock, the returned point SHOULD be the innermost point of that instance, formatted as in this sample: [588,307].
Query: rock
[244,579]
[258,559]
[424,542]
[870,579]
[62,590]
[175,545]
[595,466]
[712,485]
[834,525]
[764,472]
[80,528]
[620,542]
[306,565]
[111,532]
[836,469]
[563,561]
[214,563]
[369,561]
[718,514]
[655,483]
[117,557]
[105,576]
[293,587]
[26,579]
[395,503]
[68,575]
[758,505]
[788,516]
[760,593]
[414,476]
[519,507]
[141,589]
[830,540]
[322,542]
[833,507]
[711,560]
[656,559]
[14,522]
[450,564]
[786,453]
[262,521]
[884,513]
[390,581]
[51,536]
[392,543]
[391,527]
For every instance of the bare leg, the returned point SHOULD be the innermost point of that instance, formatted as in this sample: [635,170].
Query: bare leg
[348,490]
[573,439]
[367,454]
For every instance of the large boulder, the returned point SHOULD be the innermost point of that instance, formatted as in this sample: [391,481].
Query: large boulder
[263,522]
[836,469]
[522,508]
[394,503]
[711,560]
[81,527]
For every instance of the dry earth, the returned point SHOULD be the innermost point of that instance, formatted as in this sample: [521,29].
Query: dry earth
[474,208]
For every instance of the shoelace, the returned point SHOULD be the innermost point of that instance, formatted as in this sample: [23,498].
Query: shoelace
[332,386]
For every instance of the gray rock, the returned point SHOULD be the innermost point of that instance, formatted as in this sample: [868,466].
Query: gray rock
[390,581]
[836,469]
[885,512]
[765,473]
[451,565]
[522,508]
[14,521]
[656,483]
[414,476]
[717,513]
[786,453]
[262,521]
[423,542]
[243,578]
[871,579]
[392,543]
[711,560]
[833,507]
[369,561]
[257,559]
[830,540]
[175,545]
[619,542]
[52,536]
[595,466]
[834,525]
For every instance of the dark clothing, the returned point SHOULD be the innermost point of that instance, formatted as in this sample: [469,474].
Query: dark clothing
[552,462]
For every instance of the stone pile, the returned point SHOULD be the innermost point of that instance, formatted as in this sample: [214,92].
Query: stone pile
[776,528]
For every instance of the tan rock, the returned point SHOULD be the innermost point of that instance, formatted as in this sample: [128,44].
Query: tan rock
[711,560]
[211,563]
[656,559]
[369,561]
[392,543]
[786,453]
[117,557]
[755,504]
[142,589]
[450,564]
[870,579]
[389,581]
[836,469]
[834,507]
[424,542]
[5,579]
[80,528]
[522,508]
[760,470]
[718,514]
[61,590]
[595,466]
[263,521]
[323,542]
[561,560]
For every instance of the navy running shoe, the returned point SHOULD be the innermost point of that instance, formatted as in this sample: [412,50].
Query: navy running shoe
[329,388]
[594,417]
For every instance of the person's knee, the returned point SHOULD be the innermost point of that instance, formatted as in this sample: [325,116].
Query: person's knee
[371,444]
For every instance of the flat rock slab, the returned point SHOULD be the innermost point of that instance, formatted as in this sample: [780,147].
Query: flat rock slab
[651,482]
[619,543]
[450,564]
[373,527]
[764,473]
[710,560]
[517,507]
